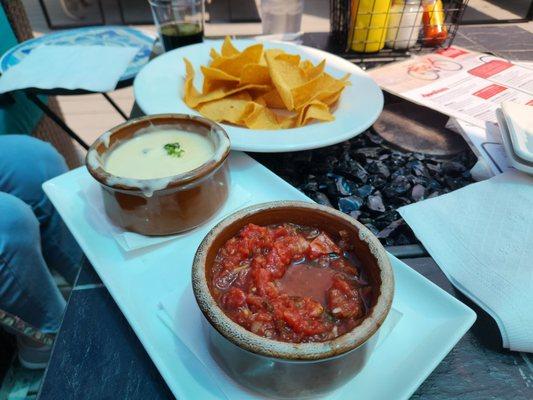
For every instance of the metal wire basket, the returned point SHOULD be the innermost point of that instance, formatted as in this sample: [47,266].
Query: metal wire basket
[380,29]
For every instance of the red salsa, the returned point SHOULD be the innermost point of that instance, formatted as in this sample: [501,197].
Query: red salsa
[290,283]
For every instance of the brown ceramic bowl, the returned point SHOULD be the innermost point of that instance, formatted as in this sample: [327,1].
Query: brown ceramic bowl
[169,205]
[293,370]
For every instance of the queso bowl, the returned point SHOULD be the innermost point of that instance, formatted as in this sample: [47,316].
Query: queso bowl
[282,369]
[169,205]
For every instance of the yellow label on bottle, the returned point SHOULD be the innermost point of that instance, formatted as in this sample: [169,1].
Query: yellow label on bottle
[369,24]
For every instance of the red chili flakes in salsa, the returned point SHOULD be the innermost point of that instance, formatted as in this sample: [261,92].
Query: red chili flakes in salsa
[290,283]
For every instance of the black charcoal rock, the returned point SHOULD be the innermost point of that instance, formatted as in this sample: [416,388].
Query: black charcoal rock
[369,181]
[375,202]
[350,203]
[417,192]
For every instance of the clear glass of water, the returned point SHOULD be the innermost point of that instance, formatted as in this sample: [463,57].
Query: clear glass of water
[282,18]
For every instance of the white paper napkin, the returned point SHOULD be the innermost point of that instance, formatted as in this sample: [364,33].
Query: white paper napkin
[481,236]
[130,241]
[180,313]
[93,68]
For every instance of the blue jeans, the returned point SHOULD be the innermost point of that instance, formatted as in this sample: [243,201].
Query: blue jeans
[33,238]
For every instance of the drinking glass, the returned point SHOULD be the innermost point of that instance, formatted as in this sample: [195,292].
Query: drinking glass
[282,18]
[179,22]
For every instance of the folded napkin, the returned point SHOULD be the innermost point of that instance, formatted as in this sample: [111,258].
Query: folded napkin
[130,241]
[93,68]
[481,236]
[180,313]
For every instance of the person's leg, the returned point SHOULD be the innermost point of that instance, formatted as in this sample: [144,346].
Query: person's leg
[25,163]
[27,288]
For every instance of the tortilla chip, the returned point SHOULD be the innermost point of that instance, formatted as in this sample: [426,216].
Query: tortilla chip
[244,87]
[228,49]
[315,70]
[272,53]
[313,110]
[255,74]
[214,54]
[234,65]
[216,85]
[272,99]
[318,88]
[193,98]
[224,92]
[261,101]
[190,92]
[292,59]
[242,96]
[217,74]
[333,93]
[330,99]
[286,122]
[257,91]
[285,76]
[304,93]
[230,109]
[306,65]
[215,78]
[313,88]
[260,117]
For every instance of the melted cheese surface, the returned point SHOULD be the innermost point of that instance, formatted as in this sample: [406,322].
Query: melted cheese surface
[144,156]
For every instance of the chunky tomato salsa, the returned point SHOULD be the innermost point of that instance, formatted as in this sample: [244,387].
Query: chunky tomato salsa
[290,283]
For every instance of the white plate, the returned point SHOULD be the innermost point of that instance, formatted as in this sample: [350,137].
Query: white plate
[430,324]
[159,89]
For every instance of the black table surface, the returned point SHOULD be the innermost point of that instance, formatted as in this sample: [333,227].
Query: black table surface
[98,356]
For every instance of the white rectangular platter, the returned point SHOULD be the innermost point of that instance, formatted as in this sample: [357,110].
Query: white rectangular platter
[430,321]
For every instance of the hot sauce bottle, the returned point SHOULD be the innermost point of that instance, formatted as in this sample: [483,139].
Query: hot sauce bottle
[435,31]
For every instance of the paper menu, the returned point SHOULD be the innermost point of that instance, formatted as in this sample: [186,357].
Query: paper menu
[463,84]
[485,142]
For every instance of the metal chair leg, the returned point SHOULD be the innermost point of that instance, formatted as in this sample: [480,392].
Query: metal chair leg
[115,106]
[44,108]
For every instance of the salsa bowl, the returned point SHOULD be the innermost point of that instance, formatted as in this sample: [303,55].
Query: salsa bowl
[283,369]
[170,204]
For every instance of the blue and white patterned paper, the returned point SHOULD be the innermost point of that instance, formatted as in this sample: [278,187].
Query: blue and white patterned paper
[94,35]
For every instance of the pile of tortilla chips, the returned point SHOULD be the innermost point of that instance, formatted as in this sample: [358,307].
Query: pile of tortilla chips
[263,89]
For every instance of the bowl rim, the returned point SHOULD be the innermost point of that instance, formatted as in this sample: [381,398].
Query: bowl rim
[219,156]
[249,341]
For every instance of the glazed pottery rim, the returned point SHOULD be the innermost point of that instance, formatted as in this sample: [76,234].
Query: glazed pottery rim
[310,351]
[220,154]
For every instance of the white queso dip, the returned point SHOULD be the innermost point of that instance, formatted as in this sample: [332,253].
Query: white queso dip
[159,154]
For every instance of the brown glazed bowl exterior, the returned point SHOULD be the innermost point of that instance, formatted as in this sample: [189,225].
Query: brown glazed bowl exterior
[293,370]
[163,206]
